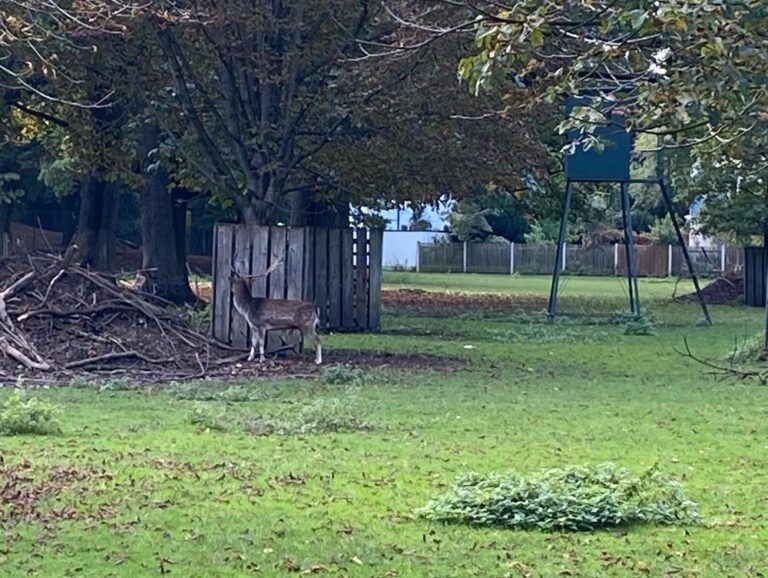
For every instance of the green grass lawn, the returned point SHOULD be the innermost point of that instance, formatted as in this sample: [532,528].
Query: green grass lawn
[160,494]
[534,285]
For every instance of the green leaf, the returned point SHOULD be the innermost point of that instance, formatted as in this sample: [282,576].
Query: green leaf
[537,38]
[638,19]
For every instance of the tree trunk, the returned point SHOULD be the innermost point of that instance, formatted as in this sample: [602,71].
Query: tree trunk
[179,206]
[256,212]
[334,214]
[97,224]
[5,229]
[301,209]
[765,261]
[163,266]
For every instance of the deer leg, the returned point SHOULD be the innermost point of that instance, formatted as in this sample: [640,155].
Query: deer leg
[254,343]
[316,344]
[262,340]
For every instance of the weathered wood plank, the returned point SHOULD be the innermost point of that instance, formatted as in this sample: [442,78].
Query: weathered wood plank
[347,280]
[276,283]
[294,270]
[241,262]
[320,258]
[294,263]
[375,258]
[308,274]
[259,259]
[334,279]
[361,279]
[215,279]
[222,296]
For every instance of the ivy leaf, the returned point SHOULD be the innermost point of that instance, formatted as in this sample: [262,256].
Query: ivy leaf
[638,19]
[537,38]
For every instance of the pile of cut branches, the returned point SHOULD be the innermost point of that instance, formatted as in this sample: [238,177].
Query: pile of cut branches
[59,318]
[724,289]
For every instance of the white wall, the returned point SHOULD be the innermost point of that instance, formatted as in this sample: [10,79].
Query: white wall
[401,247]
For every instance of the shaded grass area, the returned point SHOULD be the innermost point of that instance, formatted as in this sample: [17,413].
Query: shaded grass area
[158,493]
[535,285]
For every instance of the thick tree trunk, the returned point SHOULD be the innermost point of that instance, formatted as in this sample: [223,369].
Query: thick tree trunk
[334,214]
[5,229]
[301,209]
[765,260]
[97,224]
[256,212]
[179,207]
[163,267]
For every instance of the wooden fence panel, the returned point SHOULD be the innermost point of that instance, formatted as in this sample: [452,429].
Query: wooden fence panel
[441,258]
[534,259]
[294,263]
[320,255]
[241,262]
[339,269]
[361,278]
[589,261]
[376,253]
[276,280]
[308,274]
[222,263]
[706,262]
[649,260]
[259,260]
[334,278]
[347,280]
[755,265]
[488,258]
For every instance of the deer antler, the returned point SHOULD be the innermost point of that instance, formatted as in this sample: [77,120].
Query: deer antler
[271,268]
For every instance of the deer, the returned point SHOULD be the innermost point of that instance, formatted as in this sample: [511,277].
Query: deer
[264,314]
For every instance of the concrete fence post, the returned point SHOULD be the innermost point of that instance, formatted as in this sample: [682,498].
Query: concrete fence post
[722,258]
[565,250]
[669,260]
[512,258]
[465,257]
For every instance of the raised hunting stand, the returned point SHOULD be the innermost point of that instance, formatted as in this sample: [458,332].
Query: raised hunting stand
[611,165]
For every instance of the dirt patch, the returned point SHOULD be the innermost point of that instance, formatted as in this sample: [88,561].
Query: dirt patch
[60,322]
[449,304]
[723,290]
[293,366]
[29,496]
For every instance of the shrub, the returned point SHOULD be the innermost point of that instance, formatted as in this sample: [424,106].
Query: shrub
[343,375]
[748,350]
[200,317]
[209,417]
[635,324]
[20,415]
[332,414]
[640,326]
[571,499]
